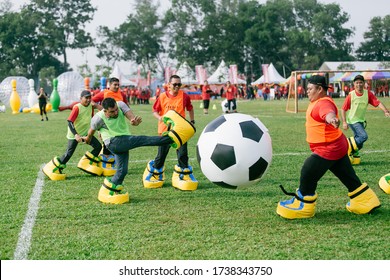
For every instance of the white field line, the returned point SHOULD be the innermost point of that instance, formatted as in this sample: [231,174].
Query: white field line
[24,241]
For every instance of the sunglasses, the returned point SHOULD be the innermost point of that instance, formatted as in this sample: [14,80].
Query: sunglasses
[176,85]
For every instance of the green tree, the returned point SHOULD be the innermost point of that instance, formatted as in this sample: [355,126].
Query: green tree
[62,23]
[23,49]
[318,34]
[139,39]
[376,46]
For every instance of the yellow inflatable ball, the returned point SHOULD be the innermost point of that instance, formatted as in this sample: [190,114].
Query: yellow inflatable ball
[26,110]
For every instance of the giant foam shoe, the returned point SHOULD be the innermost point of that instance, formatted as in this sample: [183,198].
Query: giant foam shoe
[179,129]
[353,151]
[384,183]
[53,169]
[107,164]
[112,194]
[299,207]
[90,164]
[183,179]
[153,178]
[363,200]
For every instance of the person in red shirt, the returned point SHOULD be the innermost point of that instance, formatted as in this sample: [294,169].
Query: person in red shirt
[353,114]
[206,91]
[113,92]
[266,92]
[346,90]
[182,178]
[231,92]
[301,92]
[78,125]
[330,152]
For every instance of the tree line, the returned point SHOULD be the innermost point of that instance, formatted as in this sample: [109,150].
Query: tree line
[292,34]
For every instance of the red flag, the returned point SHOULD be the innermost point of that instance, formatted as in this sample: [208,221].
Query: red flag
[148,78]
[167,74]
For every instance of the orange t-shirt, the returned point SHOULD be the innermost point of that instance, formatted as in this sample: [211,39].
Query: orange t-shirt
[324,140]
[167,101]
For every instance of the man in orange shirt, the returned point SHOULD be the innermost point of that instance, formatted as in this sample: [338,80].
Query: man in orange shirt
[330,152]
[113,92]
[182,178]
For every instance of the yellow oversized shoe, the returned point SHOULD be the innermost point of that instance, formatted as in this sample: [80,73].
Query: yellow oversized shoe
[352,147]
[53,169]
[384,183]
[299,207]
[107,164]
[363,200]
[355,160]
[112,194]
[183,179]
[153,178]
[179,129]
[90,164]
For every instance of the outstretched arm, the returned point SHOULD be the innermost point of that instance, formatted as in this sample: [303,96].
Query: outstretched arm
[384,109]
[332,119]
[134,120]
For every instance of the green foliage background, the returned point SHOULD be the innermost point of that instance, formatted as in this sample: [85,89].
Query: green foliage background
[211,223]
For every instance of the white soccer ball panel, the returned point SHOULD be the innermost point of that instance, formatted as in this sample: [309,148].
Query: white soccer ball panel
[234,149]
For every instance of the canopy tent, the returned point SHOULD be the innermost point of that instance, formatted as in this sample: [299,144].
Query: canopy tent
[186,74]
[273,77]
[336,77]
[381,75]
[221,76]
[123,81]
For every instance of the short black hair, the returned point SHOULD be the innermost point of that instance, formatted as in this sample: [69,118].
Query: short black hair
[113,79]
[174,77]
[108,103]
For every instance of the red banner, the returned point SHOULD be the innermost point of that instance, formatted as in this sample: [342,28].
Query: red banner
[265,72]
[233,74]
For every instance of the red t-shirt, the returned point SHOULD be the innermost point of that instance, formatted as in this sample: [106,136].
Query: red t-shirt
[205,92]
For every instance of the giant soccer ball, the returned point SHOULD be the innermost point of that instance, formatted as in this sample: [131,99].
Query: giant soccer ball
[234,150]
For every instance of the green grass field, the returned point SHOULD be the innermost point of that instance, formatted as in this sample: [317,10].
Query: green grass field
[211,223]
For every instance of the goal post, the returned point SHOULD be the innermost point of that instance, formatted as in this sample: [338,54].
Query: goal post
[297,77]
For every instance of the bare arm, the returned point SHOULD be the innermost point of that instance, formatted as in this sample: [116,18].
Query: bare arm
[384,109]
[343,117]
[89,136]
[332,119]
[192,115]
[134,120]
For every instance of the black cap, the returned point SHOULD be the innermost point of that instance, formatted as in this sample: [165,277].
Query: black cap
[319,81]
[85,93]
[358,77]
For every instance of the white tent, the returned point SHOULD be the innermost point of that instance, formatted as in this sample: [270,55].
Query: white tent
[221,76]
[186,74]
[273,77]
[123,81]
